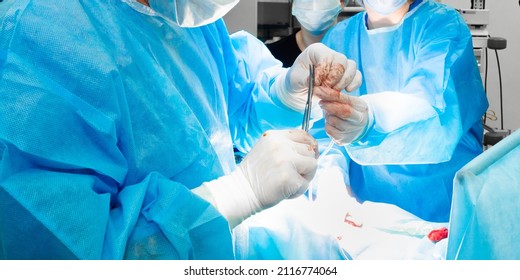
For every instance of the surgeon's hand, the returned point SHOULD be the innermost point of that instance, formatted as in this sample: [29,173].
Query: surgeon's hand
[279,166]
[347,118]
[332,70]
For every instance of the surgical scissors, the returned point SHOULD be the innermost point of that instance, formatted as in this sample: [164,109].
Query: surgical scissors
[308,105]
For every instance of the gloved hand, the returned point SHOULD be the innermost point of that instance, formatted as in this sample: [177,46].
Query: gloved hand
[279,166]
[347,118]
[332,70]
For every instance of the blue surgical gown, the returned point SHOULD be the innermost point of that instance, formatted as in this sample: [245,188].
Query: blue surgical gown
[109,115]
[421,79]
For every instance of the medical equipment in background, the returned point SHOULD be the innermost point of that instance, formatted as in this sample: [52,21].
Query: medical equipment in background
[493,136]
[477,19]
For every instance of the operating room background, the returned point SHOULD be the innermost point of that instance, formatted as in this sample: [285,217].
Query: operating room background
[504,21]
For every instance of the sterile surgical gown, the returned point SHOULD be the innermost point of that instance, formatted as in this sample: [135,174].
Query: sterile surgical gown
[109,115]
[421,79]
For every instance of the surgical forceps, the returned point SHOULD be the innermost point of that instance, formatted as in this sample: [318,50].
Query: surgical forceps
[308,105]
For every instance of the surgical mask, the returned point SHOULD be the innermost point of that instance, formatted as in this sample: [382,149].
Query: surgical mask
[192,13]
[316,15]
[383,7]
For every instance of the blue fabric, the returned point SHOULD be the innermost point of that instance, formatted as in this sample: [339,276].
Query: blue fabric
[426,59]
[109,116]
[485,213]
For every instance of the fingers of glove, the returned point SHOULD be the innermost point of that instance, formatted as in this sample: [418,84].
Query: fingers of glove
[331,73]
[298,74]
[333,69]
[342,125]
[346,108]
[334,133]
[297,182]
[358,118]
[305,166]
[335,122]
[340,136]
[304,185]
[359,113]
[277,145]
[343,131]
[305,150]
[282,182]
[296,136]
[355,82]
[326,93]
[292,169]
[338,109]
[351,77]
[356,102]
[300,157]
[295,185]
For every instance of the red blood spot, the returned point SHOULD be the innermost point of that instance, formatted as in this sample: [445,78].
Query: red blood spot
[350,221]
[437,235]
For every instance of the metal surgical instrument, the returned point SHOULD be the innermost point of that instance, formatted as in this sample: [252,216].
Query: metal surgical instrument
[308,105]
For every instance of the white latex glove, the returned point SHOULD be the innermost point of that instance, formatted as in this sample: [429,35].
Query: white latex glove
[279,166]
[332,70]
[347,118]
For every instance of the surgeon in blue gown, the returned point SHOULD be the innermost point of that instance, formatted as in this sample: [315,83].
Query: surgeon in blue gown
[417,118]
[117,125]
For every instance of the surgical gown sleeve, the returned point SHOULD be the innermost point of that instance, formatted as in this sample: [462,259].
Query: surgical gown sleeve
[102,136]
[421,82]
